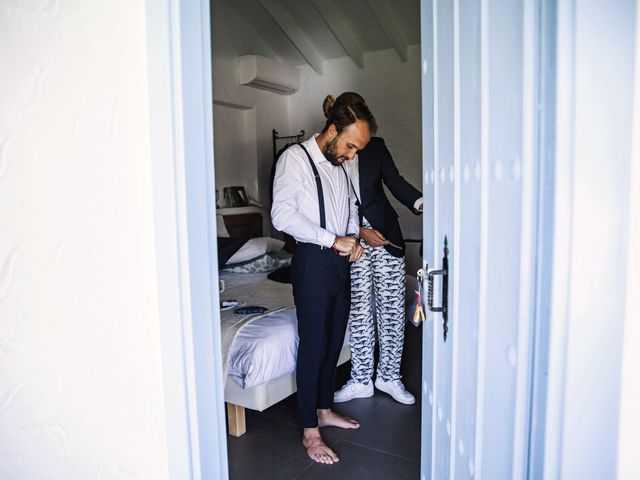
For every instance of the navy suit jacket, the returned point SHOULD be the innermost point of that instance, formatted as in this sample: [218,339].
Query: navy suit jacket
[375,166]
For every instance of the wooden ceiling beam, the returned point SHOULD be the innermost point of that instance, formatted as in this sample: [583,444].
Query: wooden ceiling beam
[294,33]
[340,31]
[383,15]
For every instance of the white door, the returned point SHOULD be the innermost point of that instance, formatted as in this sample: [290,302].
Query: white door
[480,84]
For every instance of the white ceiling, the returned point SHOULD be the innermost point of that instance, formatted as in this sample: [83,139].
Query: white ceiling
[311,31]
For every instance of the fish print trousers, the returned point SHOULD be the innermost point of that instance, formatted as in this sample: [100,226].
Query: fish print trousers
[381,275]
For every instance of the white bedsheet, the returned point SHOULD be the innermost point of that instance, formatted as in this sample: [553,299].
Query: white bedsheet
[265,348]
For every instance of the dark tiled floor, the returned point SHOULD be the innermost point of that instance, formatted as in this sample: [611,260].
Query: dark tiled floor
[386,446]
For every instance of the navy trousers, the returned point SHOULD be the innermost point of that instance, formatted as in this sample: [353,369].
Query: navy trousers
[322,293]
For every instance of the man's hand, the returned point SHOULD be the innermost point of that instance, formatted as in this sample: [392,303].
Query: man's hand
[357,253]
[373,237]
[344,245]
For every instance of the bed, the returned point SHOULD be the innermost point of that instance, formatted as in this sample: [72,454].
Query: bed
[259,350]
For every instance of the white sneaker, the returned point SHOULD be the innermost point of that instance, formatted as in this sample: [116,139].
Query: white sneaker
[353,390]
[396,389]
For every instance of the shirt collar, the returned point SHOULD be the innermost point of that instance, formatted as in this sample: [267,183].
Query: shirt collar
[314,150]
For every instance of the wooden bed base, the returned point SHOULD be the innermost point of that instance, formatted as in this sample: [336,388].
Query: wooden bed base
[261,397]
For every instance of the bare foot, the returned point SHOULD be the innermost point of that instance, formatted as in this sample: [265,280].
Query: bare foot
[329,418]
[316,448]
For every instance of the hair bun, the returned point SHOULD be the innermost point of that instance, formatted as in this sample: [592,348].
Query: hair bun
[327,105]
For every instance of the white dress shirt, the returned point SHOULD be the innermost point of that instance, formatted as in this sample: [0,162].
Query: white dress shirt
[295,208]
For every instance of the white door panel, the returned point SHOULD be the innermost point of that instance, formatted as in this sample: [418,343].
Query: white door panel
[428,180]
[480,109]
[466,297]
[443,222]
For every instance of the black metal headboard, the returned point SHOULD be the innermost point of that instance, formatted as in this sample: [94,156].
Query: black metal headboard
[275,138]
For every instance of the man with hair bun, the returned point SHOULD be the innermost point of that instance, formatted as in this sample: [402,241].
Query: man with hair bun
[313,202]
[381,270]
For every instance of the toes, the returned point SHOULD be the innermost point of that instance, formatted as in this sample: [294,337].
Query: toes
[321,457]
[325,458]
[353,422]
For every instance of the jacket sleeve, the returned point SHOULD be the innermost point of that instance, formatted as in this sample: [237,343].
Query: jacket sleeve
[402,190]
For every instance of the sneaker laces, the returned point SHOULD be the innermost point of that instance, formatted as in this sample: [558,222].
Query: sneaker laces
[399,385]
[351,384]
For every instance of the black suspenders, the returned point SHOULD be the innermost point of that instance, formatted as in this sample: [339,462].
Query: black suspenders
[323,218]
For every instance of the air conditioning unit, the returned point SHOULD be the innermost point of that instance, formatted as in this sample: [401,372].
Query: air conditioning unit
[266,74]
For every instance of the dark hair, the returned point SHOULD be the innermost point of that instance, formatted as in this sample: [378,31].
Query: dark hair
[345,110]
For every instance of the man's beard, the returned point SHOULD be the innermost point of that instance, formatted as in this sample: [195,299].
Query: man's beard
[329,152]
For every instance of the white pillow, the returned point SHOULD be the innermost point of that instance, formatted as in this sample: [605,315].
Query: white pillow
[256,247]
[221,227]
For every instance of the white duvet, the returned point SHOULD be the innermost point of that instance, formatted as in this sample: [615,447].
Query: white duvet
[264,349]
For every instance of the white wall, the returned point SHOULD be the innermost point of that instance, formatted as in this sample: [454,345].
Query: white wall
[235,150]
[80,366]
[629,421]
[243,149]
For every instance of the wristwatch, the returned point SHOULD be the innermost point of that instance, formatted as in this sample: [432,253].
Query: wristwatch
[354,235]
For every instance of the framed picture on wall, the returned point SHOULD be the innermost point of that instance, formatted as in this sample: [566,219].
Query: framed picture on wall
[235,197]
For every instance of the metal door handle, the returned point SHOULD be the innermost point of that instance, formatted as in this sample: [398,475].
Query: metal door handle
[445,290]
[432,274]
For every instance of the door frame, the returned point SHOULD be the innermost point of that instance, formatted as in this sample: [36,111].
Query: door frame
[589,271]
[183,185]
[183,182]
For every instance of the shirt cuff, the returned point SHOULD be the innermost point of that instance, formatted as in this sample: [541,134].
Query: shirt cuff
[419,204]
[327,239]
